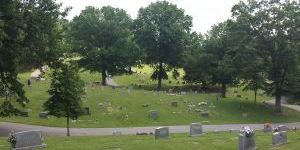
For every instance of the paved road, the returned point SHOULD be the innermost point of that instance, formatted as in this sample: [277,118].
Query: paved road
[284,103]
[5,128]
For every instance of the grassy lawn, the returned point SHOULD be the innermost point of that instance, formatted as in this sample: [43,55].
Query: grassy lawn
[210,141]
[124,109]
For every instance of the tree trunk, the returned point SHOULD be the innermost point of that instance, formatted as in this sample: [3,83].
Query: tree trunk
[103,76]
[277,102]
[159,76]
[223,90]
[255,94]
[68,125]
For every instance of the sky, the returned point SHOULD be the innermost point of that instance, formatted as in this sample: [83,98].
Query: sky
[205,13]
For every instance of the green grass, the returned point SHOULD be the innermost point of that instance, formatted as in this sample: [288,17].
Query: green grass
[210,141]
[227,110]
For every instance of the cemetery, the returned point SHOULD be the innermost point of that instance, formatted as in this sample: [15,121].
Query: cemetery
[93,76]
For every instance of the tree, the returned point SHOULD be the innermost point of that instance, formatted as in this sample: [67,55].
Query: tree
[11,36]
[196,62]
[273,26]
[65,92]
[43,33]
[218,48]
[29,34]
[161,29]
[103,39]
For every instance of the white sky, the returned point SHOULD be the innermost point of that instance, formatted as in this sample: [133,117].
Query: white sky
[205,13]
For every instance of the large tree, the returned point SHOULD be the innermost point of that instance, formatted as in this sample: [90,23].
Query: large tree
[65,92]
[104,40]
[11,37]
[218,48]
[29,35]
[273,26]
[161,29]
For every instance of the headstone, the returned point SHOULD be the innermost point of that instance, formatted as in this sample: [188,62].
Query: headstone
[117,133]
[24,114]
[279,138]
[267,128]
[204,114]
[43,114]
[161,132]
[145,105]
[246,139]
[86,111]
[153,114]
[282,128]
[174,104]
[27,140]
[195,129]
[101,107]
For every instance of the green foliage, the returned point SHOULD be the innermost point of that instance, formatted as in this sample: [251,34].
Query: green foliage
[42,27]
[65,91]
[11,36]
[271,27]
[161,30]
[103,39]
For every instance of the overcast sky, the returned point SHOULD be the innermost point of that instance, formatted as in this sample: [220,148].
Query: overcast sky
[205,13]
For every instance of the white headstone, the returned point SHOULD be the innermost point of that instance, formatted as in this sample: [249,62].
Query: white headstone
[282,128]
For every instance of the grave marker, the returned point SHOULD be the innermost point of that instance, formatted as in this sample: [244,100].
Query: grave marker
[195,129]
[161,132]
[279,138]
[27,140]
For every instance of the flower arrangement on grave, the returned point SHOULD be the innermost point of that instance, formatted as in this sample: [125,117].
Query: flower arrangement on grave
[12,139]
[267,125]
[247,131]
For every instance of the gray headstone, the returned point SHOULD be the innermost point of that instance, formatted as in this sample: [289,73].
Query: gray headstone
[246,142]
[161,132]
[153,114]
[267,129]
[117,133]
[174,104]
[28,139]
[282,128]
[195,129]
[279,138]
[24,114]
[43,114]
[204,114]
[86,111]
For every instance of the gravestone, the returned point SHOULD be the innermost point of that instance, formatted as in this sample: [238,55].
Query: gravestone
[267,128]
[174,104]
[43,114]
[195,129]
[24,114]
[101,107]
[117,133]
[279,138]
[27,140]
[246,139]
[86,111]
[161,132]
[153,114]
[282,128]
[204,114]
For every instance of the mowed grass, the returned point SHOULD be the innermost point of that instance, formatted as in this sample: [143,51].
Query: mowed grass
[123,108]
[210,141]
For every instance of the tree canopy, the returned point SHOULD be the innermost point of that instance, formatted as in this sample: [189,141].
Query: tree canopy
[104,40]
[161,30]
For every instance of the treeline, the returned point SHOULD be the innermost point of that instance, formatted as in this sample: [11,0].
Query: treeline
[258,48]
